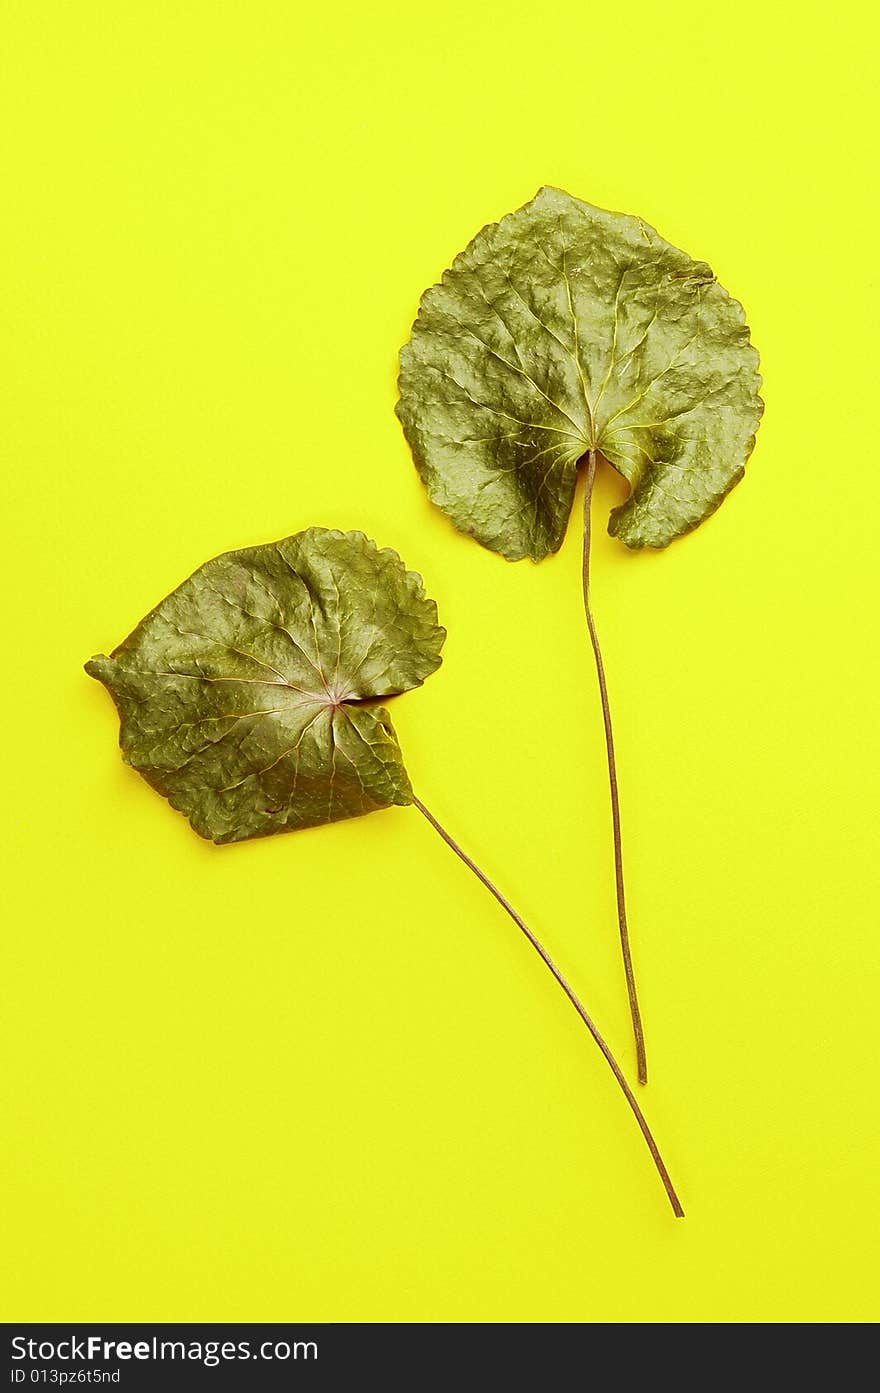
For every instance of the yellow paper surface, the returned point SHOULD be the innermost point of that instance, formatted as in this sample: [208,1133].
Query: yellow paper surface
[322,1077]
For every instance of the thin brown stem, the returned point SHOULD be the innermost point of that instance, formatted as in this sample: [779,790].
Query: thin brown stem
[641,1060]
[548,961]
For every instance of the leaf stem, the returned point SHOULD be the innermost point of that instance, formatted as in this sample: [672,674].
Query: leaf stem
[635,1014]
[548,961]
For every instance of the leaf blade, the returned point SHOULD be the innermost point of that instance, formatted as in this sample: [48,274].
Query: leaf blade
[552,333]
[236,693]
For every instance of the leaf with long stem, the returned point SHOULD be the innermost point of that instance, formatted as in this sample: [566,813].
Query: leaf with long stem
[249,698]
[562,333]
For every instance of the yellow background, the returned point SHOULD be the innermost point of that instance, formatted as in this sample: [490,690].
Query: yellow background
[322,1076]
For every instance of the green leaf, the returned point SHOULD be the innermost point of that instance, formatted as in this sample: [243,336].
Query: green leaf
[240,695]
[564,328]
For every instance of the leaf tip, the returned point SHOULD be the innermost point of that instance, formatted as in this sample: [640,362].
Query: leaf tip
[97,666]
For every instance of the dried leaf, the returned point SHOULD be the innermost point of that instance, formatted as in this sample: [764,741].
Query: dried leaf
[241,695]
[564,328]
